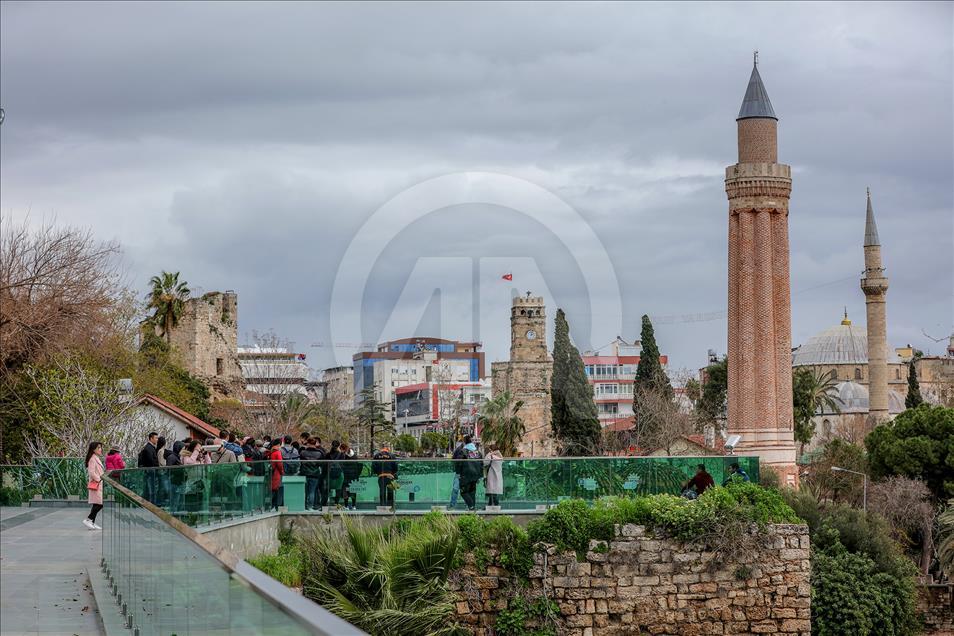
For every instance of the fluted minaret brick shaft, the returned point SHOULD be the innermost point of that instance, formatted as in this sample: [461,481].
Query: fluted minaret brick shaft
[759,333]
[875,286]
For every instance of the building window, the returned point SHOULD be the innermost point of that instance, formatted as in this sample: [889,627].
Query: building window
[897,374]
[826,428]
[219,366]
[857,373]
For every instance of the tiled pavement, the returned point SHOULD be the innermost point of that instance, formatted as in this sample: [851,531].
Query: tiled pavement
[44,587]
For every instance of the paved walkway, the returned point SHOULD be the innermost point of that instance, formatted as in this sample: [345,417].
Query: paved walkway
[44,587]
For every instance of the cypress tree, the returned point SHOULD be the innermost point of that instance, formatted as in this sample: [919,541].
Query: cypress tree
[913,398]
[650,378]
[649,372]
[561,346]
[575,420]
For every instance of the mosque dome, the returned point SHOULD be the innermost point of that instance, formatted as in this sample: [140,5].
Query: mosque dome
[853,398]
[842,344]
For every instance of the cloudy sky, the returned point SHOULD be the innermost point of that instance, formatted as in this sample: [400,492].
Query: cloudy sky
[358,172]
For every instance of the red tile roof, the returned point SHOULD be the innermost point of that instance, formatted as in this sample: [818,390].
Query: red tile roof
[190,420]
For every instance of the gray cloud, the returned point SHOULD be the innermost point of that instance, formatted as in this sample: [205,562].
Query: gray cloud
[245,144]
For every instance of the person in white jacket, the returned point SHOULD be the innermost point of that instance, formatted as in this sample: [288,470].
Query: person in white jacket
[493,464]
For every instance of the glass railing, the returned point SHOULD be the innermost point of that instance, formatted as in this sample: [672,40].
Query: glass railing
[49,477]
[206,493]
[168,579]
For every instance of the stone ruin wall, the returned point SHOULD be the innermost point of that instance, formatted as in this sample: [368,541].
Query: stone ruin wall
[649,585]
[208,331]
[936,607]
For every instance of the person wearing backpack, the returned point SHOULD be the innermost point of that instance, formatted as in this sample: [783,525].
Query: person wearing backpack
[386,468]
[471,472]
[459,454]
[290,456]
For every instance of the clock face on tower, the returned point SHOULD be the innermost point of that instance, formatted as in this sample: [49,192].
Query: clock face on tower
[531,334]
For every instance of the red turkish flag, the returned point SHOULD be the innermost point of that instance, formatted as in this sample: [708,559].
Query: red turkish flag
[508,276]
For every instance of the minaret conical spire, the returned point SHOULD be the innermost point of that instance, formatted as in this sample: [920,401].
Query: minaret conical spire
[871,228]
[756,102]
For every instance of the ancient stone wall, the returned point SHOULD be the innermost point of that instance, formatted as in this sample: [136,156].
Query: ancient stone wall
[641,584]
[936,606]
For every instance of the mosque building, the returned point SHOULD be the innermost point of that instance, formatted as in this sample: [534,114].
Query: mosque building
[871,381]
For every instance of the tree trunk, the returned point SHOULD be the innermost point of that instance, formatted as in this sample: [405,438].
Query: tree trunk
[927,545]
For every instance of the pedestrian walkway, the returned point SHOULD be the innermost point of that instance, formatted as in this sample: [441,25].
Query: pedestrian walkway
[45,554]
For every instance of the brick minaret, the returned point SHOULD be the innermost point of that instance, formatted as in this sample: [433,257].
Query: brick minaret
[875,286]
[760,332]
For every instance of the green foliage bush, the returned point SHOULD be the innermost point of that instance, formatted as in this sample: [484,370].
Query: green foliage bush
[851,596]
[861,582]
[521,612]
[572,524]
[918,444]
[11,496]
[285,567]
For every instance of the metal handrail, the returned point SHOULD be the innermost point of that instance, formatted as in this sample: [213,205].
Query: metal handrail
[309,614]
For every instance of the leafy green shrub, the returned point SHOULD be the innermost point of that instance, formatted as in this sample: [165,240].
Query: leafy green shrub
[861,582]
[520,611]
[850,596]
[11,497]
[571,524]
[285,567]
[477,536]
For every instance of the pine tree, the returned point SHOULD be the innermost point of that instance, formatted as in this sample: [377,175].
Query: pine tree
[913,398]
[575,420]
[650,379]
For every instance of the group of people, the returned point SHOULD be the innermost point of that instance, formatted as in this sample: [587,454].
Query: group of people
[326,470]
[471,466]
[703,481]
[330,473]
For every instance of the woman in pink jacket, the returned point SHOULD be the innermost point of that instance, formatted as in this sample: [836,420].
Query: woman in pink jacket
[94,470]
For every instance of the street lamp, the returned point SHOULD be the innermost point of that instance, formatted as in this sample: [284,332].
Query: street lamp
[864,500]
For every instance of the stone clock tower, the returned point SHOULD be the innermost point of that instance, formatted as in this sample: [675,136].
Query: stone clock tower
[528,329]
[527,374]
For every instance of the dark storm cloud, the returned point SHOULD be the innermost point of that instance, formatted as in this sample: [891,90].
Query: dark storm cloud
[245,144]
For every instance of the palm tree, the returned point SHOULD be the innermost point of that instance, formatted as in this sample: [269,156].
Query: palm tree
[167,300]
[293,411]
[500,423]
[945,550]
[812,393]
[384,580]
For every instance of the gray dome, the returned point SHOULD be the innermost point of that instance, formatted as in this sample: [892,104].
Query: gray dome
[842,344]
[853,398]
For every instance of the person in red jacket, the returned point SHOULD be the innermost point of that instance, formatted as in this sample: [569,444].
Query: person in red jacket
[114,460]
[278,469]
